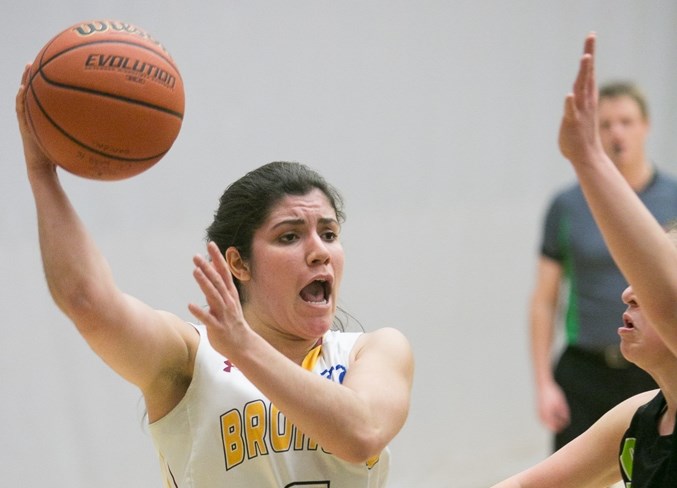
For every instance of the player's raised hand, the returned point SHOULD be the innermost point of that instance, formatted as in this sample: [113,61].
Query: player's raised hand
[579,132]
[223,316]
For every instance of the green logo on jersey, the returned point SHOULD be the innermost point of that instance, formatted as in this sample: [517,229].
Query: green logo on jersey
[627,456]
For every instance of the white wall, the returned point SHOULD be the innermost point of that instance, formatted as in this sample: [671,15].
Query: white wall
[438,121]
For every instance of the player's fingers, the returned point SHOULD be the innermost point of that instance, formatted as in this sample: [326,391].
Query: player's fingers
[587,71]
[20,99]
[200,314]
[24,75]
[221,266]
[590,42]
[592,82]
[212,296]
[569,107]
[587,81]
[215,279]
[582,84]
[20,103]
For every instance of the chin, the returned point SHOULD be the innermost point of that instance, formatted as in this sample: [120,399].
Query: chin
[318,327]
[627,352]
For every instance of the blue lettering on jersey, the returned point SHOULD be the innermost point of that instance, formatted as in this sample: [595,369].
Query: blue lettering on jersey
[335,373]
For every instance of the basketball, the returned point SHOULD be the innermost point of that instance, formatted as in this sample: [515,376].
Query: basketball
[105,100]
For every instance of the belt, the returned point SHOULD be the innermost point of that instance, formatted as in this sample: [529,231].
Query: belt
[610,356]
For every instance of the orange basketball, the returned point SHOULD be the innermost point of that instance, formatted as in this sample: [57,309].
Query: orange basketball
[105,100]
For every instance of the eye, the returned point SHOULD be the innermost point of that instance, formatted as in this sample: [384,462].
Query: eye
[329,235]
[288,237]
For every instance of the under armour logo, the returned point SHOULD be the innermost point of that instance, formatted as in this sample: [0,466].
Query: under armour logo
[229,365]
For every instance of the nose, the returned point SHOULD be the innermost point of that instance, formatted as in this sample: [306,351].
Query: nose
[317,252]
[612,132]
[628,295]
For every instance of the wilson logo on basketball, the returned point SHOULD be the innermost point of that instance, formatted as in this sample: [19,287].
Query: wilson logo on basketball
[137,66]
[99,26]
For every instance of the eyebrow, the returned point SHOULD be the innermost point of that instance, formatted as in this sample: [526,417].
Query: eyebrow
[322,221]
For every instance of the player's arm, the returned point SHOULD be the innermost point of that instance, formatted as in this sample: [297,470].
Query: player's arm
[638,244]
[353,420]
[143,345]
[551,403]
[590,460]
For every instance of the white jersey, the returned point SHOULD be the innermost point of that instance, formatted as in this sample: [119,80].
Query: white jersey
[225,434]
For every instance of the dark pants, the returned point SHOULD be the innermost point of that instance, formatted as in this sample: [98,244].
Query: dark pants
[594,383]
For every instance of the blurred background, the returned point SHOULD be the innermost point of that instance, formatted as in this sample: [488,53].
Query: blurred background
[437,119]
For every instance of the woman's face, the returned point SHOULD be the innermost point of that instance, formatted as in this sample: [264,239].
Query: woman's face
[295,268]
[640,343]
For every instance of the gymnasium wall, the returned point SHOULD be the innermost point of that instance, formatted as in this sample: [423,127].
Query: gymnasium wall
[438,121]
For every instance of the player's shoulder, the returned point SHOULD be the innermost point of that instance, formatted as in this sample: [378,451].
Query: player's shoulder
[386,339]
[607,431]
[627,408]
[386,333]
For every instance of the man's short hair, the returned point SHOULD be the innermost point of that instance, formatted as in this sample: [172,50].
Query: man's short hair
[617,89]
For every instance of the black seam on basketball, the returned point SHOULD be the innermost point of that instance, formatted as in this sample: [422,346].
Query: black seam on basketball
[85,146]
[132,101]
[100,93]
[36,70]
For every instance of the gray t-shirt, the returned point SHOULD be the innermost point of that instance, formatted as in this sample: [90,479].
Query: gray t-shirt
[571,237]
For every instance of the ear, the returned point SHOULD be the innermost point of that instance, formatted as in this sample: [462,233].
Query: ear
[239,268]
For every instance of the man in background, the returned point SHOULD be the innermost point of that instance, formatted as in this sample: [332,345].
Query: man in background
[578,281]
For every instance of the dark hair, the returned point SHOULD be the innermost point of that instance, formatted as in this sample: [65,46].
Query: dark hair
[625,89]
[247,202]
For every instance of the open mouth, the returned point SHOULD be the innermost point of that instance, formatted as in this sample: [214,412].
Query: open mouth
[317,291]
[627,322]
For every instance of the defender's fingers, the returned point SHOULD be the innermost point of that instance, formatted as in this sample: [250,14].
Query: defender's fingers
[569,107]
[590,42]
[588,65]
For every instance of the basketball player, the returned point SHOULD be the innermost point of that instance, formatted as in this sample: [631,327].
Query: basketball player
[633,441]
[263,393]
